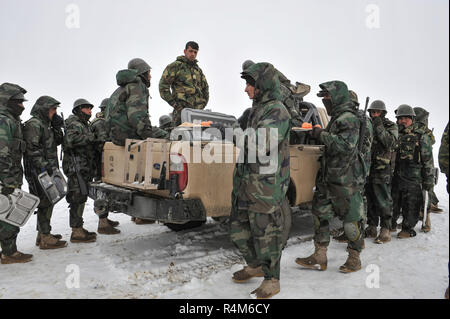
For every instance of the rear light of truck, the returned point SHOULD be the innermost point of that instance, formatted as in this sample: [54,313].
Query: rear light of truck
[178,166]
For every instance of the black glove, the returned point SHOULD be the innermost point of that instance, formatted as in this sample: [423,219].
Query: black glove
[7,190]
[244,119]
[49,170]
[57,121]
[377,121]
[316,131]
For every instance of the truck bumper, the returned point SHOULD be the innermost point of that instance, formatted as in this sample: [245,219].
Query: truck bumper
[121,200]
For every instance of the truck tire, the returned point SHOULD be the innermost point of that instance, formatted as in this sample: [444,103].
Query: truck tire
[188,225]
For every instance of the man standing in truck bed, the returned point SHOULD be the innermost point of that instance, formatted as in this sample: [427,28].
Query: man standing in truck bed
[183,84]
[256,217]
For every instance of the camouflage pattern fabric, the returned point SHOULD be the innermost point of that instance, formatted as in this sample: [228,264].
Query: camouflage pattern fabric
[379,187]
[413,174]
[80,141]
[168,127]
[42,141]
[341,163]
[183,85]
[127,114]
[258,237]
[8,237]
[383,150]
[422,120]
[258,218]
[12,147]
[98,128]
[263,193]
[444,154]
[342,171]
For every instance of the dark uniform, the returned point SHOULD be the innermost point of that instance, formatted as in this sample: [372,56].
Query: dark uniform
[12,147]
[413,172]
[43,136]
[79,141]
[378,190]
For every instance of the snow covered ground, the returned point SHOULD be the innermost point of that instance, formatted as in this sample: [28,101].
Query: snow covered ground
[151,261]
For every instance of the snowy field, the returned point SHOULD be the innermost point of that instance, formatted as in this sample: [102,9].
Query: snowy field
[151,261]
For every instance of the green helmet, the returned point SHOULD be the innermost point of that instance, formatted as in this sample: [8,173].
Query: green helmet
[377,105]
[139,65]
[164,120]
[104,103]
[247,64]
[405,110]
[81,102]
[10,91]
[48,102]
[421,115]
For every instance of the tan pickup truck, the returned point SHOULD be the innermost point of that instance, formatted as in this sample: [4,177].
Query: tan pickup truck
[188,178]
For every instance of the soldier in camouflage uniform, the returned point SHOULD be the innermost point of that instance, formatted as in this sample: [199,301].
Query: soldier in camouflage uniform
[43,133]
[287,94]
[338,183]
[258,196]
[127,114]
[443,165]
[413,171]
[166,123]
[12,146]
[79,140]
[379,187]
[183,84]
[422,118]
[443,154]
[366,156]
[98,128]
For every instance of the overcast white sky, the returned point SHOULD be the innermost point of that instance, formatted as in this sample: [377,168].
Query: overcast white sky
[394,50]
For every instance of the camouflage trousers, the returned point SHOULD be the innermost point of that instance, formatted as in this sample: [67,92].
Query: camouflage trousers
[379,205]
[259,238]
[76,200]
[349,209]
[433,198]
[8,236]
[44,212]
[407,201]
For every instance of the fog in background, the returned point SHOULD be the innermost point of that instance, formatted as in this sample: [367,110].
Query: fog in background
[394,50]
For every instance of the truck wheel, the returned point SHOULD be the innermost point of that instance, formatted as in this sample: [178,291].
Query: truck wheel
[188,225]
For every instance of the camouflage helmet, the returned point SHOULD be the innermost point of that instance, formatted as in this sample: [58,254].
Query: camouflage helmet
[81,102]
[104,103]
[421,115]
[377,105]
[164,120]
[353,97]
[139,65]
[48,102]
[405,110]
[10,91]
[247,64]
